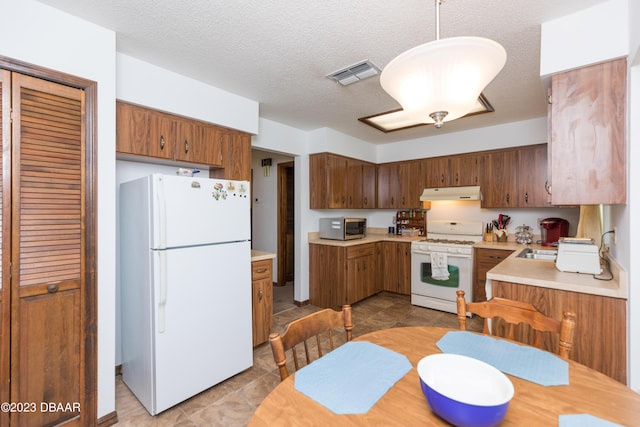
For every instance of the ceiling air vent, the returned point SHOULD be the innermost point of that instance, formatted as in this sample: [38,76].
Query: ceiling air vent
[355,73]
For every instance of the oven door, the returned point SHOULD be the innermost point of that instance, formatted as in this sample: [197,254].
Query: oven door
[422,282]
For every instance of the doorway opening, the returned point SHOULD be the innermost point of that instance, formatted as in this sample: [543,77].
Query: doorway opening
[286,230]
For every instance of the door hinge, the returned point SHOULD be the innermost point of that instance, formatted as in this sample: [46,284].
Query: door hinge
[11,115]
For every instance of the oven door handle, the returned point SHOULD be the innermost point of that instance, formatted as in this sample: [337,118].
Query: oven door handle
[449,255]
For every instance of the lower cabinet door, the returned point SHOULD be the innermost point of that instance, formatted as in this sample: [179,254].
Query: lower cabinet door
[46,359]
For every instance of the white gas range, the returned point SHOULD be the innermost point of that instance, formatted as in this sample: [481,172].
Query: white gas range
[443,263]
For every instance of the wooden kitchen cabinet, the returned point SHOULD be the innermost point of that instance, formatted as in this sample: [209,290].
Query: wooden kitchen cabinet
[369,185]
[198,143]
[341,275]
[464,170]
[262,300]
[361,272]
[484,260]
[587,119]
[498,179]
[531,176]
[599,339]
[514,177]
[338,182]
[361,184]
[140,131]
[236,156]
[395,267]
[450,171]
[398,185]
[146,132]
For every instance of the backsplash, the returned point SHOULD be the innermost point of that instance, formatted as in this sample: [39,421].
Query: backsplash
[471,211]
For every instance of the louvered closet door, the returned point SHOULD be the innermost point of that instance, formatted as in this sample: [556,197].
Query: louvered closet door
[47,249]
[5,234]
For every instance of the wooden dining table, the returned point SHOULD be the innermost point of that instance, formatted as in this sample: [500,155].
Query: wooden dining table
[404,404]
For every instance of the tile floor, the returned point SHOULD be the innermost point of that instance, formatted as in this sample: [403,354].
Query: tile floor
[232,402]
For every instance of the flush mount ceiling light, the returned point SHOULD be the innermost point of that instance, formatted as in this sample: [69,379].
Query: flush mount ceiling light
[441,81]
[391,121]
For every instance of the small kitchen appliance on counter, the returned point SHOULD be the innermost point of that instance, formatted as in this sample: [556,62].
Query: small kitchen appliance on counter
[576,255]
[552,229]
[343,228]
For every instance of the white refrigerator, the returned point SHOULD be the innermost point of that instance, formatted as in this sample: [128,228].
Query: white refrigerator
[185,264]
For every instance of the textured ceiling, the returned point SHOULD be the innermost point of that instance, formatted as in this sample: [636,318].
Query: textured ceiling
[279,52]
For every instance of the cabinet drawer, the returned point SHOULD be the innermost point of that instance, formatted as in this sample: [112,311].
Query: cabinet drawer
[491,256]
[261,269]
[361,250]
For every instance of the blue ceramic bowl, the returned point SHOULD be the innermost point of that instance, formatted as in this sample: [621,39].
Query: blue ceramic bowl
[465,391]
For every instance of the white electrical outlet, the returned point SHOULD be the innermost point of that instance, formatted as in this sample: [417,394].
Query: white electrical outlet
[615,235]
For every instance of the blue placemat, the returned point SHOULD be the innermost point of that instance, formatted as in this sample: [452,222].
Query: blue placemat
[584,420]
[522,361]
[351,378]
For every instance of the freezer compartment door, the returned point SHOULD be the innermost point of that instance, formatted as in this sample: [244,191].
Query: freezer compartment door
[203,326]
[193,211]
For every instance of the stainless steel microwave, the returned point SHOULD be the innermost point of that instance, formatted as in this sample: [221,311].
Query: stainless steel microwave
[343,228]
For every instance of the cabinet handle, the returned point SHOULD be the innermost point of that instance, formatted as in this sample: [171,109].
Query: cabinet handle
[526,197]
[457,178]
[547,187]
[261,270]
[494,257]
[507,197]
[53,288]
[442,179]
[186,146]
[162,142]
[260,295]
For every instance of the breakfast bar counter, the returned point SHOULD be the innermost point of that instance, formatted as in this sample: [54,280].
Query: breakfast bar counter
[599,306]
[543,273]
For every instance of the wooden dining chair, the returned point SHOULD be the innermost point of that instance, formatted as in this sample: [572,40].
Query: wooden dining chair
[300,331]
[516,312]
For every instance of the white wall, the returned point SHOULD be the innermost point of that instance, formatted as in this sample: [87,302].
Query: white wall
[527,132]
[43,36]
[142,83]
[593,35]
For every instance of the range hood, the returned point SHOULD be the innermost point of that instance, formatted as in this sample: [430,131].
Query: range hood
[451,193]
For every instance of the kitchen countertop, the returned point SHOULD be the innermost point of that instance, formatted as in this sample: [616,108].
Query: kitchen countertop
[543,273]
[373,236]
[261,255]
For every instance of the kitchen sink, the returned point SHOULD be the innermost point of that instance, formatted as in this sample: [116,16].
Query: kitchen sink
[548,254]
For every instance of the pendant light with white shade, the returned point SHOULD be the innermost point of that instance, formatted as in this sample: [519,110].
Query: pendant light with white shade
[441,80]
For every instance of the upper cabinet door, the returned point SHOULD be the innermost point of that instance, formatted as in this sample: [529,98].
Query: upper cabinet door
[144,132]
[587,146]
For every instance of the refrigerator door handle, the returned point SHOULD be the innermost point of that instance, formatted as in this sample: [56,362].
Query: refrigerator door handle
[162,304]
[162,231]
